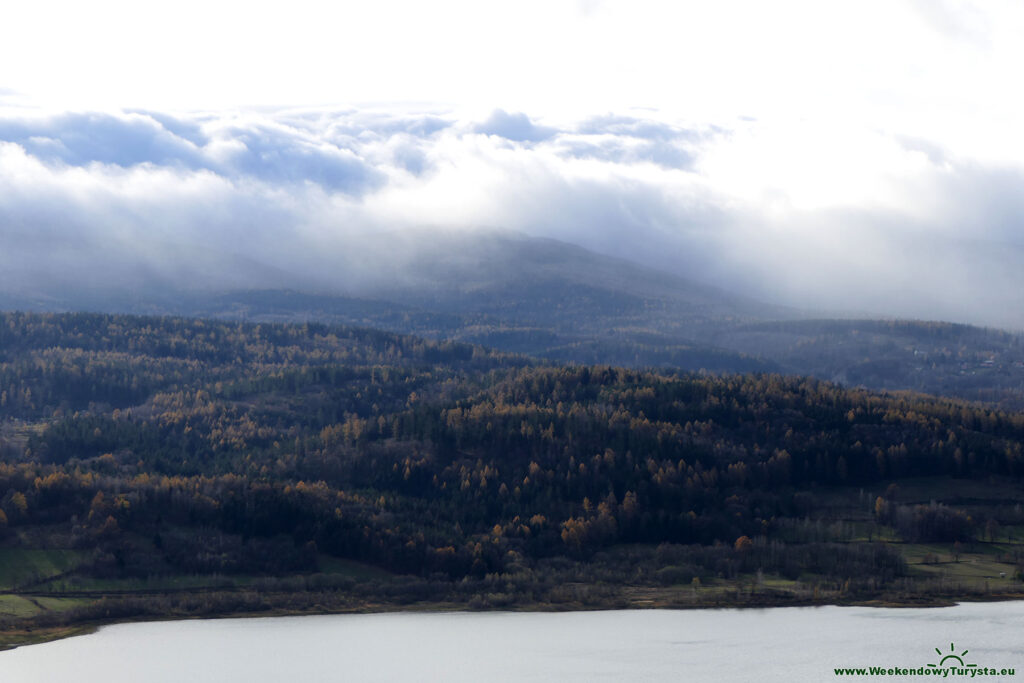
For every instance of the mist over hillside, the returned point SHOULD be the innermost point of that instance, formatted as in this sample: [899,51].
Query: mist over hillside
[352,200]
[560,302]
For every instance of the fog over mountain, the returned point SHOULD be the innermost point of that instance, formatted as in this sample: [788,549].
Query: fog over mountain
[243,199]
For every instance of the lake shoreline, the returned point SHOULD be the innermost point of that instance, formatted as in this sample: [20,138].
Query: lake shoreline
[432,643]
[16,638]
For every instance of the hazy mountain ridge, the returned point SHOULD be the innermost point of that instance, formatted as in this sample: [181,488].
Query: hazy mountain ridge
[927,356]
[559,301]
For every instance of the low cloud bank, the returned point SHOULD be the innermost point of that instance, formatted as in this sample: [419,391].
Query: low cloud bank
[836,218]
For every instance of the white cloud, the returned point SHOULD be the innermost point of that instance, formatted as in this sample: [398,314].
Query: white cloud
[835,214]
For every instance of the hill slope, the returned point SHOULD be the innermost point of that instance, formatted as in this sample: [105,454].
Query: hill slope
[146,458]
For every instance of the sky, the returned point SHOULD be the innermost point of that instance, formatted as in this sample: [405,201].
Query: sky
[862,157]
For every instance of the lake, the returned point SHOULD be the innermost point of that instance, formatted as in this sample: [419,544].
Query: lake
[781,644]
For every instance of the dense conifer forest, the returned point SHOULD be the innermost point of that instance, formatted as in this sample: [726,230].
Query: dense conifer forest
[166,466]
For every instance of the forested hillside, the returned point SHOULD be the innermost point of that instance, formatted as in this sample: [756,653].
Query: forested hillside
[558,302]
[145,450]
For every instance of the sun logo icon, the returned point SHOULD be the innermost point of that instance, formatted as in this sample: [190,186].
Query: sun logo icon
[951,658]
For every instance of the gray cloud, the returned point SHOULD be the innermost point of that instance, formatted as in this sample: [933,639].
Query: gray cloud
[617,150]
[935,153]
[268,199]
[79,139]
[516,127]
[633,127]
[266,151]
[377,125]
[186,129]
[278,155]
[630,140]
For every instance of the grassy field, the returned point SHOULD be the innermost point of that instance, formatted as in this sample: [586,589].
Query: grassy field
[21,566]
[73,583]
[17,606]
[30,606]
[979,566]
[174,582]
[355,570]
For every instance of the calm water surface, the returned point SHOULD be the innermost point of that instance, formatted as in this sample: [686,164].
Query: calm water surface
[801,644]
